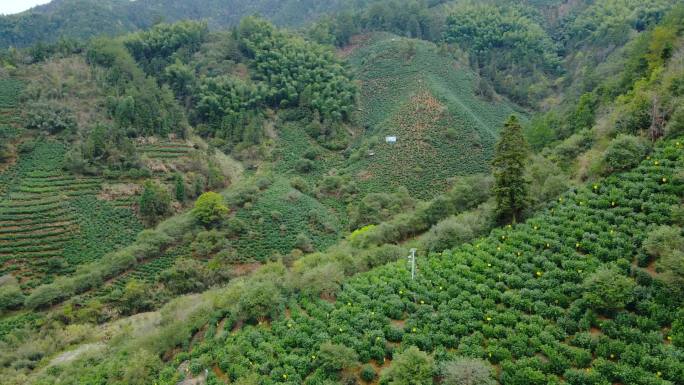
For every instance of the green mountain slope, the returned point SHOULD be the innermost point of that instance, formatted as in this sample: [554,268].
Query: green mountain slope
[411,90]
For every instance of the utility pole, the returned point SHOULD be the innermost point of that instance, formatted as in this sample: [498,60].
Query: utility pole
[412,261]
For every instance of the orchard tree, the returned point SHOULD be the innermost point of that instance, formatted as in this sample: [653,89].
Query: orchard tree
[210,208]
[510,186]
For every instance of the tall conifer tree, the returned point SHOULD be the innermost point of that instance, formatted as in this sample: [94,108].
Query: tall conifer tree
[510,188]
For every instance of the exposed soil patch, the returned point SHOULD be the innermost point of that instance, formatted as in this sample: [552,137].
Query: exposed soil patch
[73,354]
[399,324]
[112,192]
[245,268]
[355,42]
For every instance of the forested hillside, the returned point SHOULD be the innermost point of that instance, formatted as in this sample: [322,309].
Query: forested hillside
[226,192]
[82,19]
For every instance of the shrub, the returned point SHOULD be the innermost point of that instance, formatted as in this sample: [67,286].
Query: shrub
[304,243]
[367,373]
[304,166]
[663,240]
[311,154]
[45,295]
[321,280]
[207,243]
[412,367]
[260,299]
[209,208]
[467,371]
[457,230]
[11,296]
[671,268]
[185,276]
[134,298]
[179,188]
[335,357]
[300,184]
[624,153]
[608,289]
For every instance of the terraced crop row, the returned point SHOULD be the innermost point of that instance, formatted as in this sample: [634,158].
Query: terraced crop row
[166,150]
[9,116]
[514,298]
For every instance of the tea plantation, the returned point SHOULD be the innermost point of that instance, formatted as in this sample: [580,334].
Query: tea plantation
[278,218]
[412,90]
[516,298]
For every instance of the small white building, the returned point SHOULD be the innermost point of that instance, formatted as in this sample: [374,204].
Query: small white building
[390,139]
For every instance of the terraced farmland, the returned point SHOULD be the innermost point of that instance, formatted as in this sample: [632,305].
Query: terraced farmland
[166,150]
[409,89]
[50,220]
[516,298]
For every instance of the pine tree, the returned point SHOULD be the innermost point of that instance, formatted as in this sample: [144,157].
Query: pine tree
[180,188]
[510,188]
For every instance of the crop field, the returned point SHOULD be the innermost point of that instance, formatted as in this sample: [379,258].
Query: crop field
[50,221]
[278,216]
[412,91]
[514,298]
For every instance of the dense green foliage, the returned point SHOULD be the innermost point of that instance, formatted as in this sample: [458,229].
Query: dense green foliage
[135,103]
[209,208]
[507,45]
[285,71]
[163,44]
[155,202]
